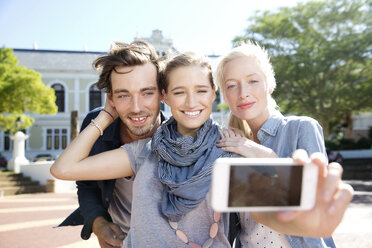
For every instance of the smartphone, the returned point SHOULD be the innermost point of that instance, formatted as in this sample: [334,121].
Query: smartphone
[262,184]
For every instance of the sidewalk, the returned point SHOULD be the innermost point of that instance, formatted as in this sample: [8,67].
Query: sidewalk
[26,221]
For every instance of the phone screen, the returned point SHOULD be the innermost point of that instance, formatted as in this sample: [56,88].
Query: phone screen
[252,186]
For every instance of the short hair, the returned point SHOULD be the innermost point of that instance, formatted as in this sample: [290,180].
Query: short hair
[182,60]
[260,55]
[121,54]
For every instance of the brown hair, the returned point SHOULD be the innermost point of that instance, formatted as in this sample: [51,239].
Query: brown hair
[121,54]
[181,60]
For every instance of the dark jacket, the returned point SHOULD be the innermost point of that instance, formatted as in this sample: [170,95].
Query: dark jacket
[95,196]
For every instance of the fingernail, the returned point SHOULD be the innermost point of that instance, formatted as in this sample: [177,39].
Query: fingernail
[121,236]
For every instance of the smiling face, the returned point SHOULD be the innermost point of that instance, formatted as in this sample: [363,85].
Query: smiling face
[136,98]
[245,90]
[190,96]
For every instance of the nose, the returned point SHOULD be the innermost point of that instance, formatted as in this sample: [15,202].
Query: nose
[135,106]
[190,100]
[244,90]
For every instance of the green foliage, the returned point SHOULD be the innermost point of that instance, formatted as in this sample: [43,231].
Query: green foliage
[223,107]
[21,92]
[321,52]
[348,144]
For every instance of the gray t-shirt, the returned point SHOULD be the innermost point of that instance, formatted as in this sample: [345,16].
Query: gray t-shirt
[149,228]
[121,203]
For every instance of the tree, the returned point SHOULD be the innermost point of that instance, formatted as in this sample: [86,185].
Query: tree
[21,92]
[321,52]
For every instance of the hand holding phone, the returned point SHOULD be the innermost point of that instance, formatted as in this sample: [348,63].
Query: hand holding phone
[263,184]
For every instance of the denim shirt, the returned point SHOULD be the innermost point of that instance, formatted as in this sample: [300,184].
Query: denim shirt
[284,135]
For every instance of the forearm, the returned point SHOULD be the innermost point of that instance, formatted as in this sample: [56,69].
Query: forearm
[79,149]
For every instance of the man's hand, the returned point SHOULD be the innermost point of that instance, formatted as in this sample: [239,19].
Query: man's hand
[108,234]
[332,200]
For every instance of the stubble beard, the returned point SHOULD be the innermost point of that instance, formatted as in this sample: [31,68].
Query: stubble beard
[141,131]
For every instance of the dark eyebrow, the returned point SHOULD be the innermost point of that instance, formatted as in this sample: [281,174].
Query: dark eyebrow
[149,88]
[142,90]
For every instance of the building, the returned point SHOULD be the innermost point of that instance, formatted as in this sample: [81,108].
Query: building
[72,76]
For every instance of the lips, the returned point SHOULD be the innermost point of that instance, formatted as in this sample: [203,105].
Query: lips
[138,120]
[246,105]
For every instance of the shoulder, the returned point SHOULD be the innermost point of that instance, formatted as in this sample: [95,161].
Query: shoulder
[300,122]
[138,146]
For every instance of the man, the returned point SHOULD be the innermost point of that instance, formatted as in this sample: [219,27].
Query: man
[129,74]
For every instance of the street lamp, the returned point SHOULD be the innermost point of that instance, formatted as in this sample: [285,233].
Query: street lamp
[18,123]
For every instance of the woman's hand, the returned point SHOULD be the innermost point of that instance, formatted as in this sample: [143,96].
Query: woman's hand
[233,140]
[332,200]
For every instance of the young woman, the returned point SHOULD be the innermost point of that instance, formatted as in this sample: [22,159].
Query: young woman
[171,171]
[246,78]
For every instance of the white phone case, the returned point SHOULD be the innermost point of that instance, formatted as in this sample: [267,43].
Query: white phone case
[221,181]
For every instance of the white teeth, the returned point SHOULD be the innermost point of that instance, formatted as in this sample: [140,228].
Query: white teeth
[193,113]
[138,118]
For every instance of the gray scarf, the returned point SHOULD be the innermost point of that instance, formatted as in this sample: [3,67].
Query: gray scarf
[185,166]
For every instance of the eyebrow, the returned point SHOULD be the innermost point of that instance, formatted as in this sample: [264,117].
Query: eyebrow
[247,76]
[182,87]
[142,90]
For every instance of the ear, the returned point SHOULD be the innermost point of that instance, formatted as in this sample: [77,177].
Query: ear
[271,90]
[109,99]
[164,96]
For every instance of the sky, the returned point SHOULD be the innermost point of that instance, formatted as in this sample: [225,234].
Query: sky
[203,26]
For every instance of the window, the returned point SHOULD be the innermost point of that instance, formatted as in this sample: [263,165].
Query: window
[56,139]
[95,98]
[60,96]
[8,142]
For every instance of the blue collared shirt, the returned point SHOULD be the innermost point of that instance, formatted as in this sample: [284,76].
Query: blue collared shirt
[284,135]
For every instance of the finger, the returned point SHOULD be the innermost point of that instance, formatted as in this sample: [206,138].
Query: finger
[237,132]
[116,230]
[113,240]
[286,216]
[103,244]
[230,133]
[224,133]
[332,181]
[321,161]
[300,156]
[341,200]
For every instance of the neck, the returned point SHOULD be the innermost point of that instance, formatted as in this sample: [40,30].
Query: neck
[256,124]
[127,137]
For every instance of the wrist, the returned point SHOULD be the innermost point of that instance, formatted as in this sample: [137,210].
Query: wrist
[104,120]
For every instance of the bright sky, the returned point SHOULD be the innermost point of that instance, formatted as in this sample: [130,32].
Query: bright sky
[205,26]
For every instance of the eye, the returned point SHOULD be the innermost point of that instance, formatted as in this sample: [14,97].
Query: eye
[123,96]
[202,91]
[149,93]
[178,93]
[230,86]
[253,81]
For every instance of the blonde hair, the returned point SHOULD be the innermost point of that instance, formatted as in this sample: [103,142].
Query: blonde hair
[260,55]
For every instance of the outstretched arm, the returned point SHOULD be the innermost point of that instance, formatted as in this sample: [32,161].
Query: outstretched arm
[74,163]
[333,198]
